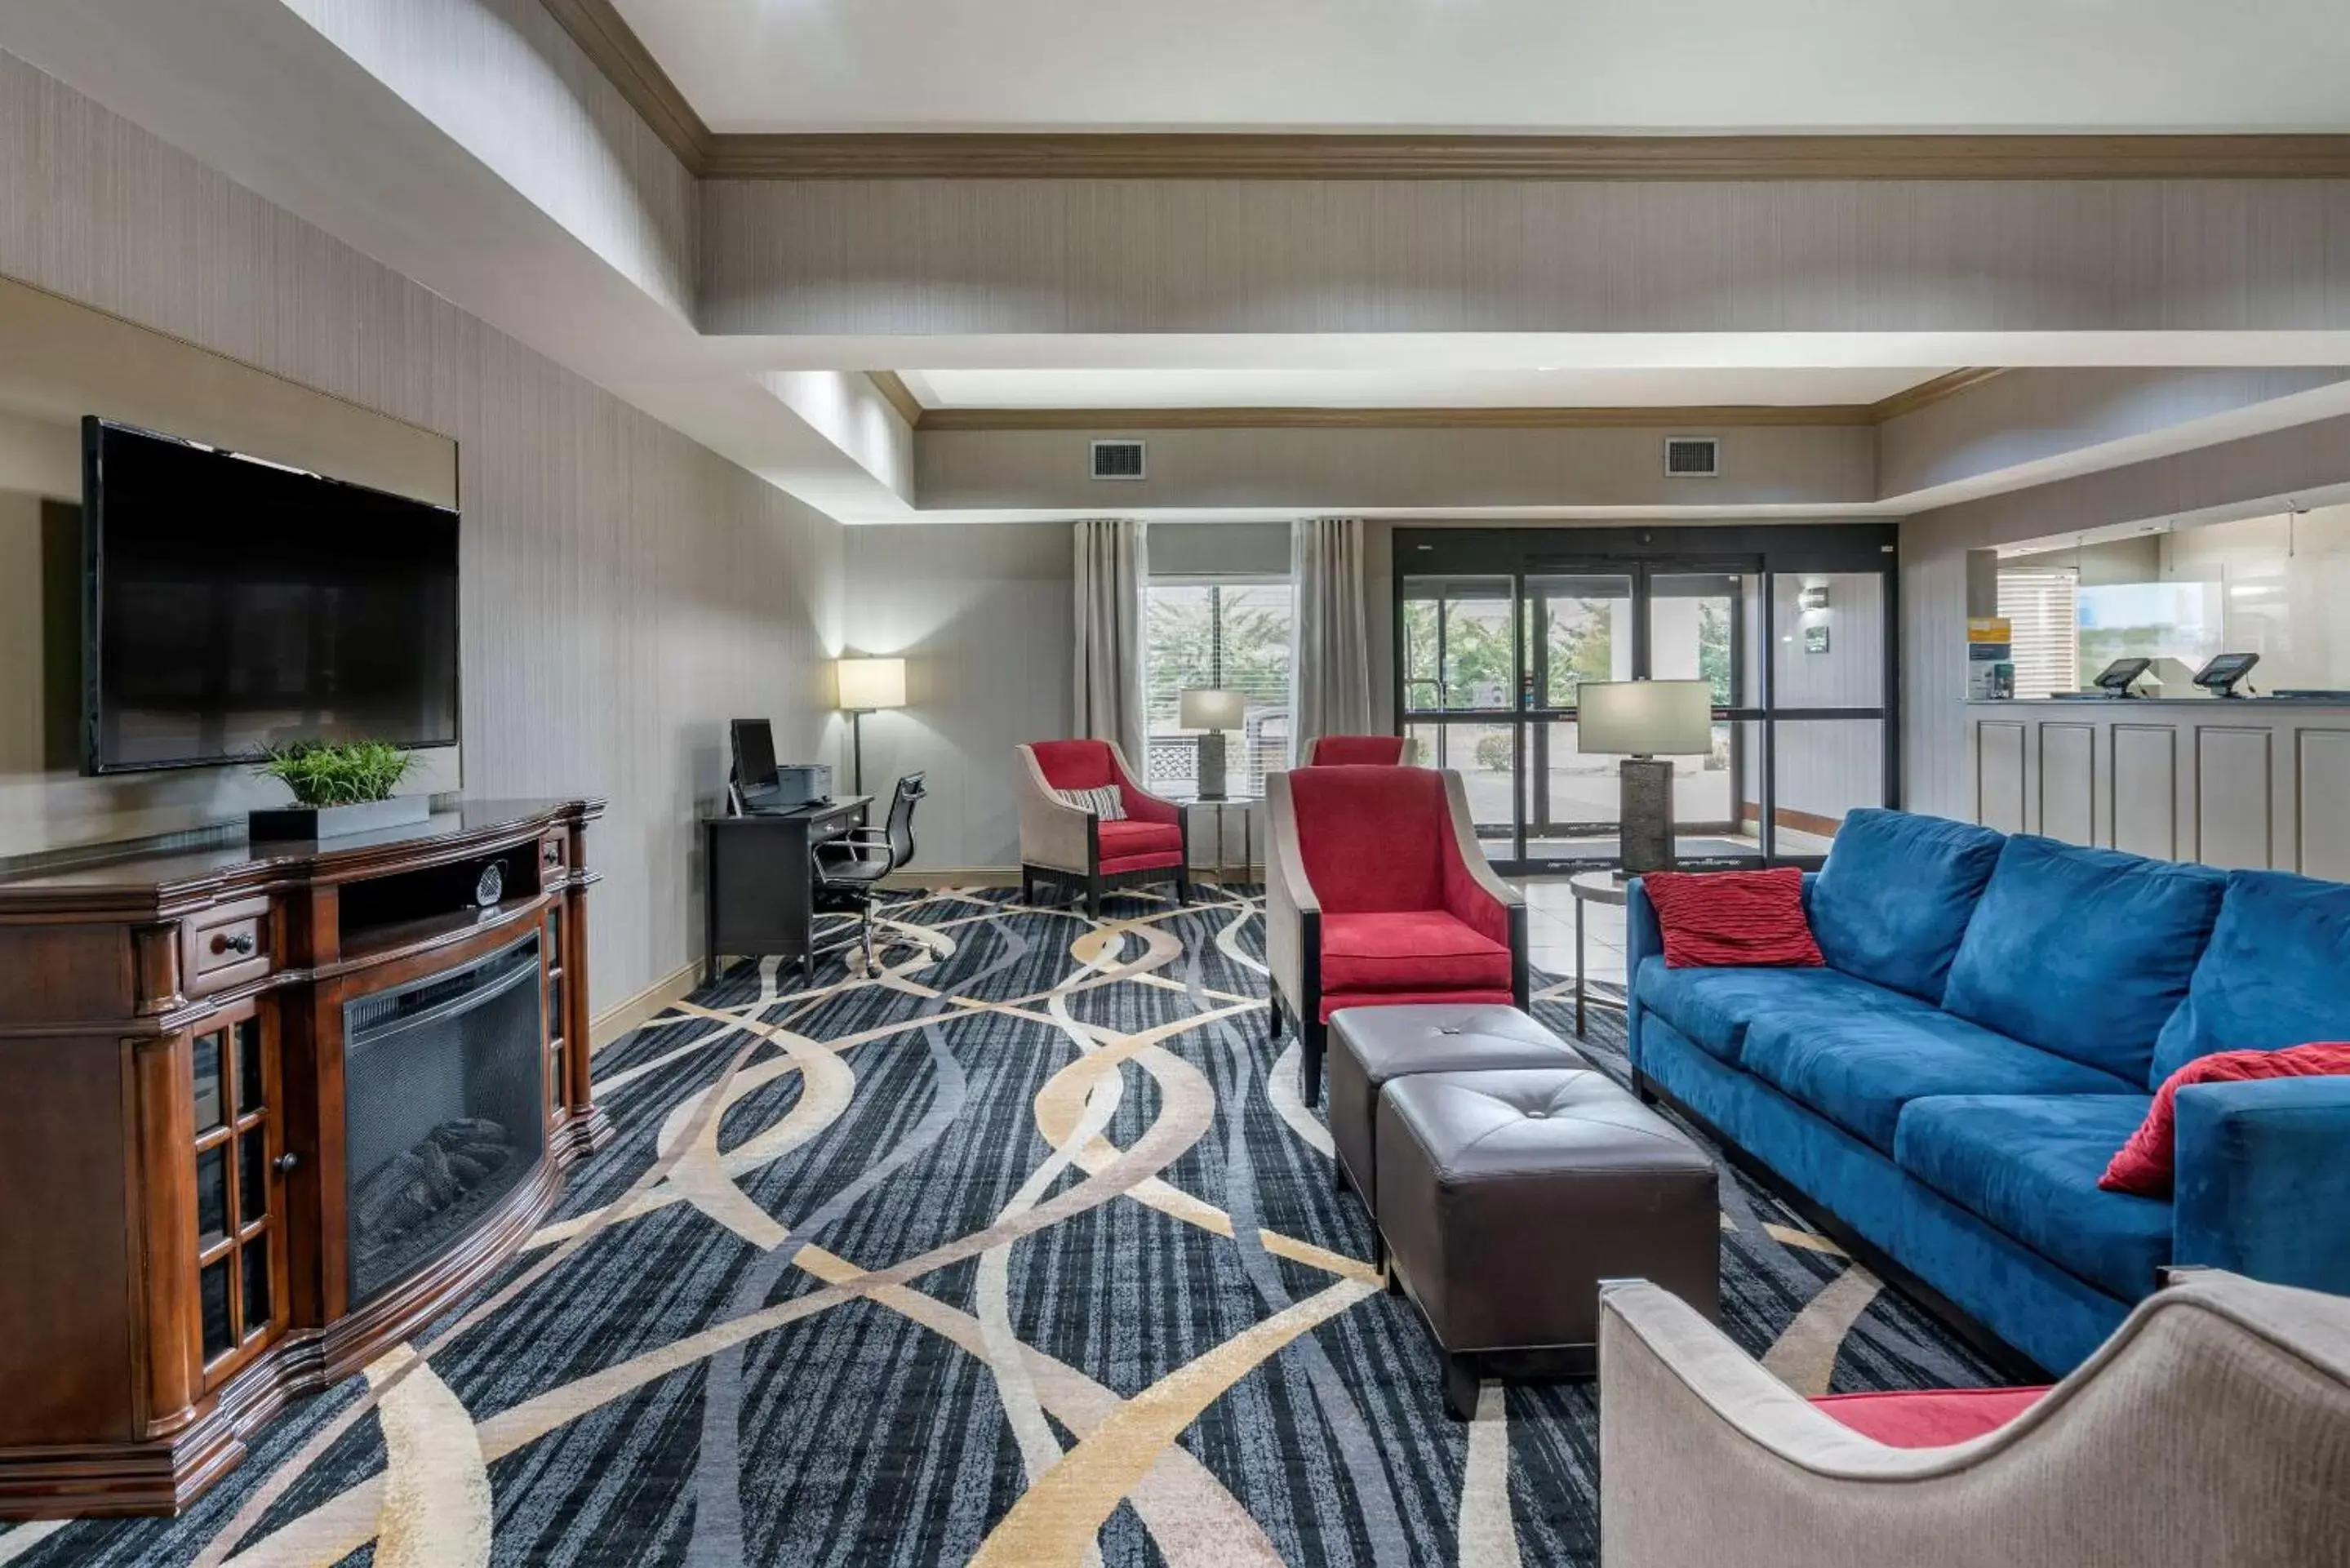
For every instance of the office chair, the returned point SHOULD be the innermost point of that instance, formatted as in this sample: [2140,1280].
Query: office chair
[850,869]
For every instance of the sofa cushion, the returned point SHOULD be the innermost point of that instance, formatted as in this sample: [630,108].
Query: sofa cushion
[1413,949]
[2085,952]
[1930,1417]
[2029,1165]
[1713,1006]
[1893,901]
[2273,975]
[1734,920]
[1859,1068]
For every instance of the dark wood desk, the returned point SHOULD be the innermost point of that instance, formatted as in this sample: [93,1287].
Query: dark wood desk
[759,881]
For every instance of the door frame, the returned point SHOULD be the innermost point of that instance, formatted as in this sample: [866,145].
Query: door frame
[1763,551]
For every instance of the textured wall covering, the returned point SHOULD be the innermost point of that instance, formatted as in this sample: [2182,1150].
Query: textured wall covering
[1369,256]
[982,616]
[626,590]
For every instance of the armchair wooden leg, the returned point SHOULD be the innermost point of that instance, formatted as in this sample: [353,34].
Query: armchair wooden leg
[1310,1036]
[1093,896]
[1027,885]
[1273,1022]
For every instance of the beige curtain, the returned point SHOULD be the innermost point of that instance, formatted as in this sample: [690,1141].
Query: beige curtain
[1330,654]
[1112,568]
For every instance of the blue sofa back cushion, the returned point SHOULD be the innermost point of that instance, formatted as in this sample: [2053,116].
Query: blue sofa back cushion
[2083,952]
[1893,901]
[2276,973]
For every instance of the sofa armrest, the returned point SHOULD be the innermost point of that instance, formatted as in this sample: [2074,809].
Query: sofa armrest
[2263,1183]
[1052,833]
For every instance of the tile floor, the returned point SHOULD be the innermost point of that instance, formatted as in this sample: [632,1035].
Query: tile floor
[1550,930]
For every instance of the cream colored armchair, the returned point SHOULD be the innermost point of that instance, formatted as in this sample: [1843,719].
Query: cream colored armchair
[2212,1431]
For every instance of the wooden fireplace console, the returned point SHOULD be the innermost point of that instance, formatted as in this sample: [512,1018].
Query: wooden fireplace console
[175,1231]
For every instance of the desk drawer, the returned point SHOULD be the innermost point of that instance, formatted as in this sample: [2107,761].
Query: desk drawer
[227,946]
[824,829]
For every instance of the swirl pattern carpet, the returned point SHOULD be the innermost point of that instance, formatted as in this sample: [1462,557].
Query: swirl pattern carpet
[1021,1250]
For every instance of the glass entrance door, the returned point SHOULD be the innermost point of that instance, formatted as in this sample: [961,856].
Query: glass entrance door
[1799,659]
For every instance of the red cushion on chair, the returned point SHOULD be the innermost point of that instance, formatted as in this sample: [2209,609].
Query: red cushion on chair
[1075,765]
[1373,838]
[1347,751]
[1735,920]
[1933,1418]
[1415,950]
[2144,1165]
[1123,840]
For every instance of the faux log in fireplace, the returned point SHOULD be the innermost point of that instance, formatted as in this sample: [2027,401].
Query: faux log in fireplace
[263,1115]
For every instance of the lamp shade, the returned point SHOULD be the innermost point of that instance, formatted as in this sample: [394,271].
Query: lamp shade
[870,683]
[1645,717]
[1205,708]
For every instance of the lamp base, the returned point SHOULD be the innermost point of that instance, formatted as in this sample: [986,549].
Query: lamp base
[1647,815]
[1211,764]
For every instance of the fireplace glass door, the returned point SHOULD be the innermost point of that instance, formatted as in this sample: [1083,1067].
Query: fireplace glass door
[444,1108]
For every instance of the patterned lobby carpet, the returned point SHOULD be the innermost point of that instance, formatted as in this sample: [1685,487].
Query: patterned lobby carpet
[1022,1252]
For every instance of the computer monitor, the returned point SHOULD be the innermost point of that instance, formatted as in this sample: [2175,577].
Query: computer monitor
[755,762]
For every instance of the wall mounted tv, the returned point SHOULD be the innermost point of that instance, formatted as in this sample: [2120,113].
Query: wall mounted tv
[233,604]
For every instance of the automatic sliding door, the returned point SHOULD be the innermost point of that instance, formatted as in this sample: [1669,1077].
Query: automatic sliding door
[1706,626]
[1579,626]
[1460,687]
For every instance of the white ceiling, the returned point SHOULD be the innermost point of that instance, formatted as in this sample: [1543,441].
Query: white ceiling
[1401,388]
[1504,65]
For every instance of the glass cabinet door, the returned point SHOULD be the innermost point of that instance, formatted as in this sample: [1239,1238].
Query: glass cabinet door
[240,1269]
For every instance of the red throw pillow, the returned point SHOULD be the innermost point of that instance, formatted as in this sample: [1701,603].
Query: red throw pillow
[1735,920]
[2144,1165]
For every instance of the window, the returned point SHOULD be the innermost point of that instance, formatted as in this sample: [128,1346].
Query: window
[2042,610]
[1231,634]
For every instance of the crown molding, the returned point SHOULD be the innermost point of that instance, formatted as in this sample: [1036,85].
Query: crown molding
[617,51]
[622,55]
[901,397]
[1145,155]
[1700,417]
[1124,419]
[1910,400]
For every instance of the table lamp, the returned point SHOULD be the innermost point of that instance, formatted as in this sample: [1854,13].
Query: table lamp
[1212,713]
[863,686]
[1645,721]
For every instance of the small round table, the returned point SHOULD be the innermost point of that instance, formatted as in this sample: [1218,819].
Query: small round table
[1186,802]
[1590,888]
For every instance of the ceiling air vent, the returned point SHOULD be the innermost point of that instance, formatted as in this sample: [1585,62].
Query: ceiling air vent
[1693,457]
[1117,460]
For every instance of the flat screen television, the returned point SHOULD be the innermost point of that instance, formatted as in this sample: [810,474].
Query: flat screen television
[234,604]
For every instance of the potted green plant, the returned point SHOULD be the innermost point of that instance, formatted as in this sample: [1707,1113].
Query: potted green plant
[338,787]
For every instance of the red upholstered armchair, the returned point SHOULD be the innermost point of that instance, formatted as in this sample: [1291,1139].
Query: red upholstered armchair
[1376,895]
[1346,750]
[1066,843]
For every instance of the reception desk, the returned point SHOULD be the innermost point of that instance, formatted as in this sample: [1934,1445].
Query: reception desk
[2252,781]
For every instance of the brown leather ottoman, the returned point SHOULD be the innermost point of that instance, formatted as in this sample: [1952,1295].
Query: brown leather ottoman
[1372,1046]
[1506,1197]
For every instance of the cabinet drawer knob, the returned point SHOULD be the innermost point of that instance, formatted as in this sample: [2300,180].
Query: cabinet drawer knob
[232,941]
[287,1161]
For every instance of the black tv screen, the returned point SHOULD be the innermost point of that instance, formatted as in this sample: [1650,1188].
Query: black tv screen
[234,605]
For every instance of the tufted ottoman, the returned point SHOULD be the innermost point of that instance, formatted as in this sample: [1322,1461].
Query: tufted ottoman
[1506,1197]
[1372,1046]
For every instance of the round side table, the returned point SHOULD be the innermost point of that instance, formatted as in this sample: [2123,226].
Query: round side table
[1590,888]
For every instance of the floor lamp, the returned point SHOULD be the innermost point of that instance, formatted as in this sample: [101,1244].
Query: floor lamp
[1645,721]
[865,686]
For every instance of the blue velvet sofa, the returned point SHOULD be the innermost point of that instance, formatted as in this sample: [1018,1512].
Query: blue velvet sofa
[1994,1017]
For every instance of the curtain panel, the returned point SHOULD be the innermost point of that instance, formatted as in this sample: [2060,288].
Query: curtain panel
[1112,567]
[1330,654]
